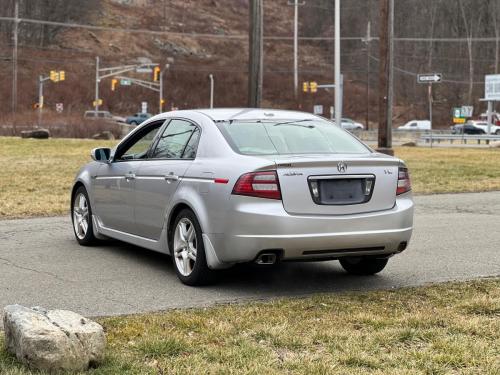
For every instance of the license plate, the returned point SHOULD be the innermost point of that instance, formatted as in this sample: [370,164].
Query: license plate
[341,191]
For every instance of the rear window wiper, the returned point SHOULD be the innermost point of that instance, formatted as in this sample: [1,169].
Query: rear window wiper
[295,123]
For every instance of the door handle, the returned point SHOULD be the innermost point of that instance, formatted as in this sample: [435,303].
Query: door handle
[129,176]
[171,177]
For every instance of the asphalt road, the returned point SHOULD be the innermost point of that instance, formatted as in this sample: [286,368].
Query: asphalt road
[456,237]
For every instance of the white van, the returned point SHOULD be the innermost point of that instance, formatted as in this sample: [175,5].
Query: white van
[416,125]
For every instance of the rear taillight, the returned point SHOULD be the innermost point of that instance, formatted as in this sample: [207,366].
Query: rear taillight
[404,183]
[258,184]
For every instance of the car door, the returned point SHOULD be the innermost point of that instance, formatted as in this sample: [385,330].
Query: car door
[160,175]
[114,184]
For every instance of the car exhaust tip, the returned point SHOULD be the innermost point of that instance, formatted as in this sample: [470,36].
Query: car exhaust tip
[266,259]
[402,246]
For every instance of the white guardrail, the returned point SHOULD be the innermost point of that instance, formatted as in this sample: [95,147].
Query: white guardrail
[463,138]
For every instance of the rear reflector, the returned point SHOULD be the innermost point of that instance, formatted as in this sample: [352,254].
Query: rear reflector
[404,183]
[258,184]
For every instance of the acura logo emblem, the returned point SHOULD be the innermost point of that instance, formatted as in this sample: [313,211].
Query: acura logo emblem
[342,167]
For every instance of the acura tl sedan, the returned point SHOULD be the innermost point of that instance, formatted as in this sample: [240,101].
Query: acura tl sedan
[217,187]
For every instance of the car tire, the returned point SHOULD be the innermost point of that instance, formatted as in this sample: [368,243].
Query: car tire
[363,265]
[133,123]
[497,132]
[186,243]
[81,218]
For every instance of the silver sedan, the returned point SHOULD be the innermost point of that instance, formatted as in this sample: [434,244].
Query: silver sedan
[213,188]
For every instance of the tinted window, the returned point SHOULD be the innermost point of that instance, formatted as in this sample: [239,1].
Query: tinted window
[174,140]
[289,137]
[140,144]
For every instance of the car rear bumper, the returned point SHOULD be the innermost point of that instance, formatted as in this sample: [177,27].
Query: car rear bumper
[254,225]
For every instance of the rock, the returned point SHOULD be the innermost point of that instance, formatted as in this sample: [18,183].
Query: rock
[53,340]
[106,134]
[409,144]
[495,144]
[35,133]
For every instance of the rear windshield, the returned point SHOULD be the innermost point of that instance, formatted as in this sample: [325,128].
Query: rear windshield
[289,137]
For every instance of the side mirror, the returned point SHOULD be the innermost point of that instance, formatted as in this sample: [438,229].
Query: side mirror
[100,155]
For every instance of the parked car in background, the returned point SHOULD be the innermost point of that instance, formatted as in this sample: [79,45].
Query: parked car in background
[137,118]
[106,115]
[349,124]
[416,125]
[217,187]
[467,128]
[495,118]
[483,125]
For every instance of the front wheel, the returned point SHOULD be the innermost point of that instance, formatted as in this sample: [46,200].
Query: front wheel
[363,265]
[81,216]
[188,250]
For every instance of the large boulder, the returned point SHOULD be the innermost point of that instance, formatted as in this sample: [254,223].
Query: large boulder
[495,144]
[53,340]
[36,133]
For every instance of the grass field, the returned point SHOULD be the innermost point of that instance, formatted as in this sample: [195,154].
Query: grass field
[443,329]
[36,175]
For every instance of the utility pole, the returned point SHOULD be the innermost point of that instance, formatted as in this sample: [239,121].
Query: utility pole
[296,5]
[14,63]
[161,93]
[338,78]
[96,100]
[40,99]
[211,77]
[386,76]
[367,40]
[255,54]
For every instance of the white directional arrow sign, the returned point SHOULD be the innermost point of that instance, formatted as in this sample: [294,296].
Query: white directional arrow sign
[429,78]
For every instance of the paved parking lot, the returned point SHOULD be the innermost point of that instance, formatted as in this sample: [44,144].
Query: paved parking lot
[457,237]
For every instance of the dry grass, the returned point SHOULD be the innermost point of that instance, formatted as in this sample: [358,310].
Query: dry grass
[443,329]
[447,170]
[36,175]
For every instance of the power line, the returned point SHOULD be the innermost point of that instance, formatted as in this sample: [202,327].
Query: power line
[164,33]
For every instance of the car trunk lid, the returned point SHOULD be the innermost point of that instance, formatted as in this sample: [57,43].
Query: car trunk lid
[338,184]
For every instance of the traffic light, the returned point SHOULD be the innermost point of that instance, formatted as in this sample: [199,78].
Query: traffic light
[314,86]
[305,86]
[54,76]
[62,75]
[156,73]
[114,82]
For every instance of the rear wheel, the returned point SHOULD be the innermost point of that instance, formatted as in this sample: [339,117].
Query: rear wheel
[81,216]
[497,132]
[363,265]
[188,250]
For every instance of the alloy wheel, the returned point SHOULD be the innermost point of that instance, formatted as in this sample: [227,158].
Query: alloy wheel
[81,216]
[185,246]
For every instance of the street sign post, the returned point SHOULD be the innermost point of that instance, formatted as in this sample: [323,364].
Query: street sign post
[429,79]
[318,109]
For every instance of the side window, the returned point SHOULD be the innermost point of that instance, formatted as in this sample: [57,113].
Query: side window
[192,145]
[413,124]
[139,146]
[174,140]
